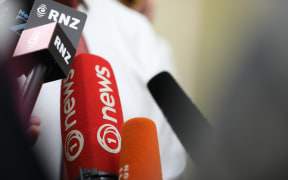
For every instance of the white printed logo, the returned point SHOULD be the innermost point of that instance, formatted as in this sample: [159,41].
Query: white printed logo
[34,38]
[78,140]
[59,17]
[124,172]
[41,10]
[62,49]
[109,131]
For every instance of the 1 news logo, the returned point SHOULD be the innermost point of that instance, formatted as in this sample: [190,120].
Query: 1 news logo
[109,133]
[74,139]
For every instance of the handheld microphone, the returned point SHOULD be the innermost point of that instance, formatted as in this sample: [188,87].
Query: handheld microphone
[42,47]
[46,45]
[187,121]
[91,119]
[140,156]
[15,14]
[48,49]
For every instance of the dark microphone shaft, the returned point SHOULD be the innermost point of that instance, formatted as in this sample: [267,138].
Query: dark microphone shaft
[32,88]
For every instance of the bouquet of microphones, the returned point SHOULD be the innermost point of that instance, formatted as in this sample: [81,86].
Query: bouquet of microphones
[97,144]
[95,138]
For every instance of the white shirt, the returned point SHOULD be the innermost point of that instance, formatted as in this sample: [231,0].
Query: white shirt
[127,41]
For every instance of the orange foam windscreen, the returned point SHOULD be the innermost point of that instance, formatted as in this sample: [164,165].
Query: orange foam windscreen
[139,156]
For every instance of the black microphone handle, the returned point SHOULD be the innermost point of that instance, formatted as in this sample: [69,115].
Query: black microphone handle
[31,89]
[94,174]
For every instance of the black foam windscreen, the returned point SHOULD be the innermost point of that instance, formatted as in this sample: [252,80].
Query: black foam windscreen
[185,118]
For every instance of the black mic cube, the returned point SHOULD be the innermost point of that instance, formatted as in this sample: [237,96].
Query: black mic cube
[46,44]
[71,21]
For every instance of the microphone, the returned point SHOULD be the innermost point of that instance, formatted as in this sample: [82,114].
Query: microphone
[42,47]
[47,47]
[91,119]
[187,121]
[139,156]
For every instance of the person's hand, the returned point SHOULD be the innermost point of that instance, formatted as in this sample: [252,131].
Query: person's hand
[34,130]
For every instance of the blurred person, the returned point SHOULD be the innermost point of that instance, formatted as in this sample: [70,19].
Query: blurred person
[18,160]
[127,40]
[252,126]
[8,11]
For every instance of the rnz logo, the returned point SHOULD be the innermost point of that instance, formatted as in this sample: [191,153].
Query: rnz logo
[62,49]
[33,39]
[41,10]
[56,16]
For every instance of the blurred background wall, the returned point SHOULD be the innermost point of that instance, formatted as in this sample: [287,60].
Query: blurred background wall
[179,22]
[208,38]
